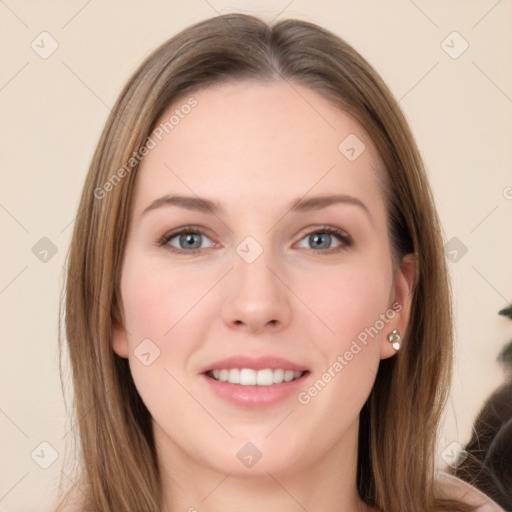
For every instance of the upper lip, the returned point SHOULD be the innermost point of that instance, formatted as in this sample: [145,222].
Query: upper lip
[255,363]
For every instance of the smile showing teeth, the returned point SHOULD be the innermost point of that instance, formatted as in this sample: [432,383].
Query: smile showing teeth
[250,377]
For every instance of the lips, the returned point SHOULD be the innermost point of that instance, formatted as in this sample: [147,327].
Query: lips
[250,382]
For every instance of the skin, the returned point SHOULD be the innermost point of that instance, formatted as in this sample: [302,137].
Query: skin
[256,148]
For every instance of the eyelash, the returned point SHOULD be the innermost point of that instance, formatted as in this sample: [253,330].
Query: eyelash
[343,237]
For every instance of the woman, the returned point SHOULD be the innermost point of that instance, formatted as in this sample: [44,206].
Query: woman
[257,307]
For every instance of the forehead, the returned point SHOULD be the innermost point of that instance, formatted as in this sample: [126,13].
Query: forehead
[253,141]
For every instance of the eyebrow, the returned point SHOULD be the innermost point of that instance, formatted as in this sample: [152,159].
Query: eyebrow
[204,205]
[199,204]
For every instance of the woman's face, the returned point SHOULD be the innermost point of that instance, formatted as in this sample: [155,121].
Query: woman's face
[258,251]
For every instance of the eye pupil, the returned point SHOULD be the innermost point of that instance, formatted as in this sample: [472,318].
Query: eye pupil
[190,240]
[320,240]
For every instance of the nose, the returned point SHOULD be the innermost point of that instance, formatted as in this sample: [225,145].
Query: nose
[256,298]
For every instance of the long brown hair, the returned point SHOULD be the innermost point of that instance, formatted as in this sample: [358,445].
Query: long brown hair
[398,424]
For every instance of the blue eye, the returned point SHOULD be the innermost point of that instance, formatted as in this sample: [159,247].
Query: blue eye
[186,240]
[325,239]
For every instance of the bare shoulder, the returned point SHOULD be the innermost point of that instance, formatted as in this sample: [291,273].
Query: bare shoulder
[451,487]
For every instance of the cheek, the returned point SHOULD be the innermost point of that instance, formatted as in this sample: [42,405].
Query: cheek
[156,304]
[351,305]
[348,300]
[331,401]
[157,298]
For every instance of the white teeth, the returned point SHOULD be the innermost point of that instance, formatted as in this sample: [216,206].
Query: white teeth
[250,377]
[278,376]
[234,376]
[247,377]
[288,375]
[265,378]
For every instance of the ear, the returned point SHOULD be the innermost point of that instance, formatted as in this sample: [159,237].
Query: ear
[119,334]
[401,304]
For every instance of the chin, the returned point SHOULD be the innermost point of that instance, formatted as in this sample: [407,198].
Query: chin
[256,458]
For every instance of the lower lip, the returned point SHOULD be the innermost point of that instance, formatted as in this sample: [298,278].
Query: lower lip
[256,396]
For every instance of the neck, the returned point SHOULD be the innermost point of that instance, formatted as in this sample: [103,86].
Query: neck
[327,484]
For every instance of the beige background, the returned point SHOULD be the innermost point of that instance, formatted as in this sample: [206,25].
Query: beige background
[53,110]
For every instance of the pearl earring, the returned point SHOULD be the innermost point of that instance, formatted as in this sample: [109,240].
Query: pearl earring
[394,338]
